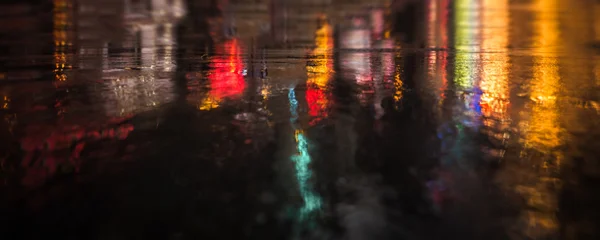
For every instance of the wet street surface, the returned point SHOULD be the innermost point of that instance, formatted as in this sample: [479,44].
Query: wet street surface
[312,119]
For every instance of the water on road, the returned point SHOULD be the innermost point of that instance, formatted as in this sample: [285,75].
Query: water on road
[455,119]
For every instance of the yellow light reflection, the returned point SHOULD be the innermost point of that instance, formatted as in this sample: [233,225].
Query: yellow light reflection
[466,43]
[62,18]
[265,90]
[208,103]
[5,102]
[541,131]
[398,84]
[387,16]
[320,71]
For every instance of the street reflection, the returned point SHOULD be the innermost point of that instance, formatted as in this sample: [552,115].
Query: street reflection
[275,119]
[137,84]
[146,82]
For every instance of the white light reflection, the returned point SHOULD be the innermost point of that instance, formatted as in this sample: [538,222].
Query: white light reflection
[355,58]
[141,80]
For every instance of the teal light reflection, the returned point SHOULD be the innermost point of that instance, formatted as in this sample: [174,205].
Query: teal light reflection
[302,159]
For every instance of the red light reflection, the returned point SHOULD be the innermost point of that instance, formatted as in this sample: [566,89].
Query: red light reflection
[226,77]
[48,149]
[317,100]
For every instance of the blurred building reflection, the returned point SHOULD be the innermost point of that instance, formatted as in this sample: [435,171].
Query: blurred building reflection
[383,68]
[133,62]
[292,21]
[383,65]
[146,49]
[437,23]
[355,57]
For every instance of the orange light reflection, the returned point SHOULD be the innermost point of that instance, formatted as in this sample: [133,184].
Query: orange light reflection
[494,99]
[541,131]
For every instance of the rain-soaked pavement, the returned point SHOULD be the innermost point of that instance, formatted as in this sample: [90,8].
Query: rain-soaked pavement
[320,119]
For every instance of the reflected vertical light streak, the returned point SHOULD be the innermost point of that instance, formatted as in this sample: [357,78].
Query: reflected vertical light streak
[466,43]
[388,23]
[544,129]
[398,83]
[437,58]
[168,42]
[466,62]
[443,58]
[432,14]
[302,159]
[62,20]
[494,100]
[319,70]
[432,55]
[357,64]
[541,131]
